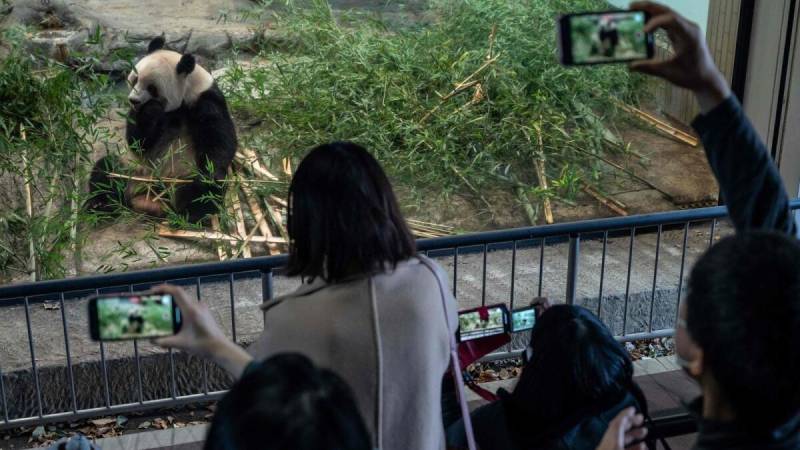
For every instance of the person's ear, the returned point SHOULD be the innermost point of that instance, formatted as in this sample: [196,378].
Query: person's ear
[695,365]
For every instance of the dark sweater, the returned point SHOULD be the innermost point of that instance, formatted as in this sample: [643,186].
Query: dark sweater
[748,179]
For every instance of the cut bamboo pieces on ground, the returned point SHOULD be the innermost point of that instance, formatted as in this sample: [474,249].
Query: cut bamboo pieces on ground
[610,203]
[660,125]
[264,213]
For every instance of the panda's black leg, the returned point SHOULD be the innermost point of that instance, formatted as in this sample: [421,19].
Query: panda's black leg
[106,194]
[198,200]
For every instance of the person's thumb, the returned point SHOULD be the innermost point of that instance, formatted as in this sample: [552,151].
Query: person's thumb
[656,68]
[168,342]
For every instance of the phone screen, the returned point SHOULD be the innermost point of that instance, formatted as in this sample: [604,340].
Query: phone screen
[481,323]
[605,37]
[133,316]
[523,319]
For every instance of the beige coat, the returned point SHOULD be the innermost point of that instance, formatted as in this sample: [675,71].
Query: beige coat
[386,335]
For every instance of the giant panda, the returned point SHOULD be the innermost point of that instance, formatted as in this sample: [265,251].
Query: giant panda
[178,127]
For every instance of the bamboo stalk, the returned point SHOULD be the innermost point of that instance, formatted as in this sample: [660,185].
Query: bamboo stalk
[252,201]
[287,167]
[277,221]
[279,201]
[32,269]
[179,180]
[609,203]
[217,229]
[526,205]
[239,215]
[540,174]
[215,235]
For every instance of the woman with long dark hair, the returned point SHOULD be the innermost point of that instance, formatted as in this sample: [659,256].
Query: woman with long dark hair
[369,308]
[575,380]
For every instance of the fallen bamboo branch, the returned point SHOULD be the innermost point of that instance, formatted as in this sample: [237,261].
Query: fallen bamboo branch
[245,244]
[460,87]
[659,124]
[477,192]
[609,203]
[627,172]
[443,228]
[255,208]
[164,231]
[287,167]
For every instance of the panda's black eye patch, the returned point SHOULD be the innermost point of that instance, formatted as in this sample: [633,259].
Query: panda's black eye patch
[153,90]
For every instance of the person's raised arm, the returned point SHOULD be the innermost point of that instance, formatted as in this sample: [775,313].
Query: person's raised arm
[200,334]
[749,181]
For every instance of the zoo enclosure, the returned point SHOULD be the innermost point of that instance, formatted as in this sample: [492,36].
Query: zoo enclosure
[450,246]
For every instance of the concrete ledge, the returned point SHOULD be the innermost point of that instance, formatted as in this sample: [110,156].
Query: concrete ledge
[187,438]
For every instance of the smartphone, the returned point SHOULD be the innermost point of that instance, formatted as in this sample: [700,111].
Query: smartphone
[523,319]
[604,37]
[482,322]
[120,317]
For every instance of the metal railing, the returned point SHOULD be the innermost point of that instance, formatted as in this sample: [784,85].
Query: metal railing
[512,240]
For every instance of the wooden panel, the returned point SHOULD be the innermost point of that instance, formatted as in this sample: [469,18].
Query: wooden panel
[723,23]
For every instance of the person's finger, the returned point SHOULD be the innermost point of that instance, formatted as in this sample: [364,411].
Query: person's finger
[169,341]
[177,294]
[652,8]
[665,21]
[650,67]
[635,434]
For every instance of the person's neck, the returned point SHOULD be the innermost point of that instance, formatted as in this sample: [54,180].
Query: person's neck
[715,407]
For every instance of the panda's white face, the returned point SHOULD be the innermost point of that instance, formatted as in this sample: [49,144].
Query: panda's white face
[155,77]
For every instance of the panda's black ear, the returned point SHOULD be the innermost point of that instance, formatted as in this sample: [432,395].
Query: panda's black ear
[186,65]
[156,44]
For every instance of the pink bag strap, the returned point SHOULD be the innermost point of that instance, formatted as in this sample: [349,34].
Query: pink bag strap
[454,364]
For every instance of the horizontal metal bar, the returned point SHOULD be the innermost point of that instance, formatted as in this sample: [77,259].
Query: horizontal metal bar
[266,262]
[116,409]
[627,338]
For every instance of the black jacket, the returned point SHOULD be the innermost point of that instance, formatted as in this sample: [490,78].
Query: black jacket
[714,435]
[757,200]
[492,428]
[748,179]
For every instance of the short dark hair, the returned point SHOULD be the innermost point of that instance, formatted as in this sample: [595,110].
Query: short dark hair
[577,369]
[286,403]
[743,310]
[343,216]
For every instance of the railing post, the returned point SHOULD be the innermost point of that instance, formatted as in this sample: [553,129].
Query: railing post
[266,289]
[572,267]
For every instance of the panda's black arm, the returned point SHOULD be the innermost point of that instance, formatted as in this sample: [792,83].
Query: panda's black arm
[146,126]
[213,133]
[214,138]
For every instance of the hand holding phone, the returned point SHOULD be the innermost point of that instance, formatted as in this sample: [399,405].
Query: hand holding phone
[692,66]
[201,335]
[604,37]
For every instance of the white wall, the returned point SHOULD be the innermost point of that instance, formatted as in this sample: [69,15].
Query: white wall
[696,10]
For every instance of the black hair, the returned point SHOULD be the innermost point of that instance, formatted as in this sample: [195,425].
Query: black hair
[743,311]
[577,370]
[343,218]
[286,403]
